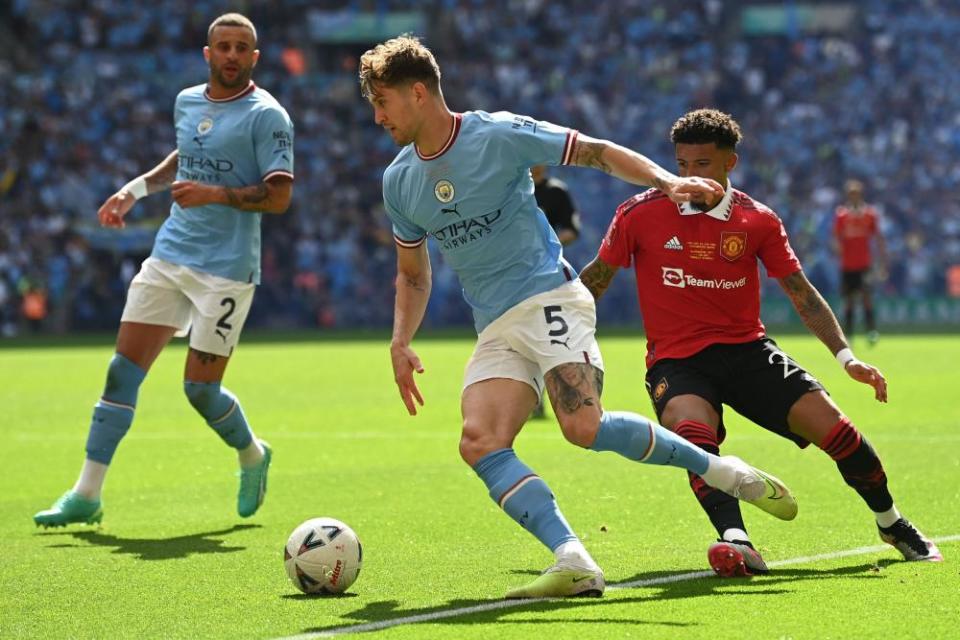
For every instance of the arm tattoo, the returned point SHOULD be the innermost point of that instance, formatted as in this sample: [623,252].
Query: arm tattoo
[588,154]
[814,311]
[162,176]
[597,276]
[574,385]
[414,283]
[255,194]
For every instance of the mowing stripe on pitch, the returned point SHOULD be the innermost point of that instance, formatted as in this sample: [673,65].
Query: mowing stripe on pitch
[509,604]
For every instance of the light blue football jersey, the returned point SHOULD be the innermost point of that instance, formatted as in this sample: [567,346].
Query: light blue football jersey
[475,198]
[235,142]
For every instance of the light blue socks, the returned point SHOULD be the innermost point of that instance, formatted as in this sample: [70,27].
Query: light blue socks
[524,496]
[113,414]
[637,438]
[221,410]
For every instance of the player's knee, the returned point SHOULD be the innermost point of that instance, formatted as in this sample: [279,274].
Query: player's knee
[124,378]
[580,430]
[202,395]
[476,442]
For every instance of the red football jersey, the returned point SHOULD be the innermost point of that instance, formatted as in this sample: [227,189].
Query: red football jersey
[854,228]
[697,274]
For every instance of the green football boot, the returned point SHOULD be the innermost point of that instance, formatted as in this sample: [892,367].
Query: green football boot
[70,508]
[253,484]
[764,491]
[562,582]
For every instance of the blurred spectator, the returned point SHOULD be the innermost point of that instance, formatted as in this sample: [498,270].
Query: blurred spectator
[87,88]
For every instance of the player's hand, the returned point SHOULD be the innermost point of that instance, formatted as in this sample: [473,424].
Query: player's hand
[405,362]
[696,190]
[868,374]
[112,211]
[193,194]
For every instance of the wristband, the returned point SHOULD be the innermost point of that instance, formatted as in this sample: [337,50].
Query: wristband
[136,187]
[845,356]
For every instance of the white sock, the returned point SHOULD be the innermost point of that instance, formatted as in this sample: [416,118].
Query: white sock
[719,474]
[573,552]
[887,518]
[251,455]
[735,535]
[90,483]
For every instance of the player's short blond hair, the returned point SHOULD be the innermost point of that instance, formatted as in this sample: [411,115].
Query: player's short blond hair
[398,61]
[704,126]
[232,20]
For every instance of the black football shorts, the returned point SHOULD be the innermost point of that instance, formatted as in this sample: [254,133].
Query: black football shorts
[756,379]
[852,282]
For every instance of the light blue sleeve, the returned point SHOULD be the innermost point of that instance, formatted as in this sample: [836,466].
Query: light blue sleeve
[273,143]
[535,141]
[405,232]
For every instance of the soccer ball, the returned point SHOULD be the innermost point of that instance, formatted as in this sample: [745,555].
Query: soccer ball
[323,555]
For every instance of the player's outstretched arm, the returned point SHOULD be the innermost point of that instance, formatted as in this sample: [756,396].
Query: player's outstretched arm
[270,196]
[635,168]
[413,291]
[597,276]
[821,321]
[159,178]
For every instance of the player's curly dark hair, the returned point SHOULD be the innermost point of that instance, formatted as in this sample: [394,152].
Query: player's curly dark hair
[704,126]
[398,61]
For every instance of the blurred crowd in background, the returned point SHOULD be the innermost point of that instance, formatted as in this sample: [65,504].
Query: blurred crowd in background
[87,90]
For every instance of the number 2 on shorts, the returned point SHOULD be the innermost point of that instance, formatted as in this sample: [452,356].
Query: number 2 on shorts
[222,322]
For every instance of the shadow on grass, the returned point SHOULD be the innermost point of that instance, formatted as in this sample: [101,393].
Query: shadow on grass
[318,596]
[389,613]
[158,548]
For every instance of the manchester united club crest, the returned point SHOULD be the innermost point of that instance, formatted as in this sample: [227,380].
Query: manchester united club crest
[660,389]
[444,191]
[733,244]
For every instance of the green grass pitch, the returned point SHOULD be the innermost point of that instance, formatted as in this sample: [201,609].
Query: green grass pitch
[173,560]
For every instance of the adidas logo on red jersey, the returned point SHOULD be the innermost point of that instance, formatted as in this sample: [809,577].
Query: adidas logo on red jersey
[673,244]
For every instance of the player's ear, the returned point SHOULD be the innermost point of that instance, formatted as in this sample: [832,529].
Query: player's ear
[419,91]
[731,162]
[256,56]
[206,54]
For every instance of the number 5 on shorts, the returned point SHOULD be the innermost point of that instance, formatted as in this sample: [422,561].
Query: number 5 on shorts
[553,317]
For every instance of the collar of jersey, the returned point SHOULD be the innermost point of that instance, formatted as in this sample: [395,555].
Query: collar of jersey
[454,130]
[720,212]
[250,87]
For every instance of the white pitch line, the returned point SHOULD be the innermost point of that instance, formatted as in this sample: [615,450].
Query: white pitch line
[649,582]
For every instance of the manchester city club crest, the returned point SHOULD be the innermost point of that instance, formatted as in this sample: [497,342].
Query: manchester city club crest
[204,126]
[444,191]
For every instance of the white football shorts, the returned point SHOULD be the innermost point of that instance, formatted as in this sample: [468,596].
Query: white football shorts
[210,308]
[534,336]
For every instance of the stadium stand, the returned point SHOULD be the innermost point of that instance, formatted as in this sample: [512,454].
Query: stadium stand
[87,88]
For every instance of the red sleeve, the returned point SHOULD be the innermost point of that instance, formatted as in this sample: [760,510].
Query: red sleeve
[874,221]
[617,247]
[836,223]
[776,254]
